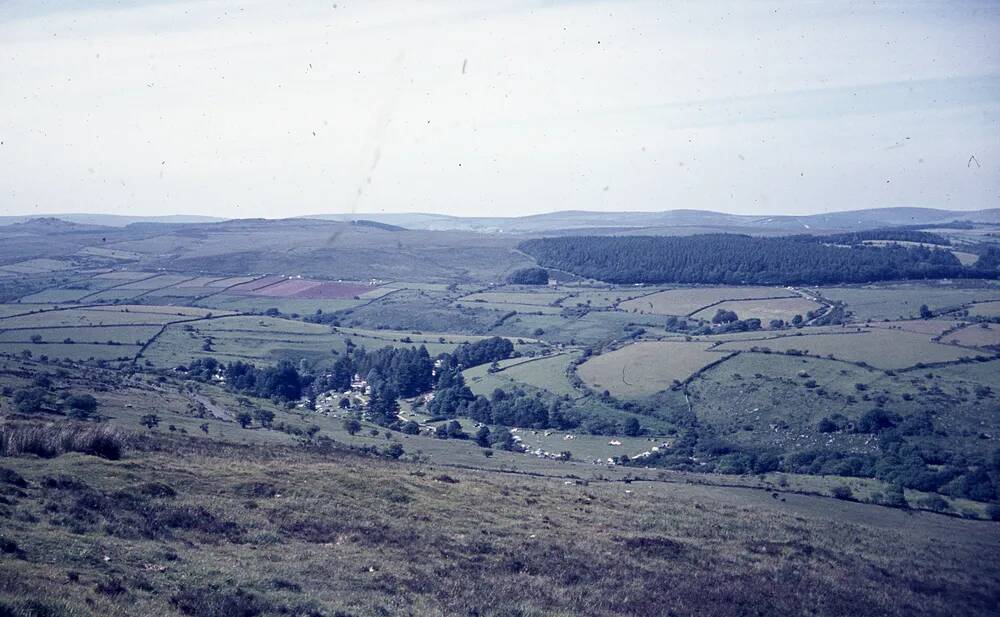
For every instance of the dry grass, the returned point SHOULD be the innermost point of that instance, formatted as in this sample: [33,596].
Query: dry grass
[210,530]
[50,440]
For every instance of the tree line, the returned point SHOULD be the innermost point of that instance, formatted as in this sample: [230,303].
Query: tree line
[741,259]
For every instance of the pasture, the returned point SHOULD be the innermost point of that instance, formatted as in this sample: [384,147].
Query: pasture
[127,334]
[903,301]
[645,368]
[260,338]
[880,348]
[975,335]
[37,266]
[72,351]
[524,298]
[985,309]
[764,310]
[930,327]
[603,298]
[690,300]
[541,372]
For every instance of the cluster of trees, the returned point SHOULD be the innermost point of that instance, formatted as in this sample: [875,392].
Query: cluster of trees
[529,276]
[904,460]
[892,234]
[408,371]
[453,398]
[740,259]
[38,397]
[282,381]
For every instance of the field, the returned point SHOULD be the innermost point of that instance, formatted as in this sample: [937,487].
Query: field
[985,309]
[877,347]
[980,335]
[538,298]
[602,298]
[305,288]
[688,301]
[903,301]
[966,259]
[644,368]
[544,373]
[930,327]
[764,310]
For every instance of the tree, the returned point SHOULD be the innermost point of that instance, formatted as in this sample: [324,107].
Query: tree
[632,428]
[81,406]
[394,451]
[722,316]
[383,404]
[410,428]
[352,426]
[925,312]
[30,400]
[842,492]
[483,437]
[36,338]
[150,420]
[244,419]
[264,417]
[204,427]
[455,430]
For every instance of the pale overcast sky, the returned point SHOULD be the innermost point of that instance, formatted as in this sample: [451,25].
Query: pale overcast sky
[264,108]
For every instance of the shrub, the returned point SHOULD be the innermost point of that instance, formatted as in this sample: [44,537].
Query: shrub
[30,400]
[81,406]
[933,502]
[842,492]
[352,426]
[394,451]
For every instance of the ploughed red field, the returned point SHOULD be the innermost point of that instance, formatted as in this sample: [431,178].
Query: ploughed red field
[276,287]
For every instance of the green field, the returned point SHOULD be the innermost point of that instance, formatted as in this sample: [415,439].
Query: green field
[687,301]
[645,368]
[880,348]
[985,309]
[977,335]
[544,373]
[903,301]
[764,310]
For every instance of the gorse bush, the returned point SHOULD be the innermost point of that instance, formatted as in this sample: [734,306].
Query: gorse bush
[49,441]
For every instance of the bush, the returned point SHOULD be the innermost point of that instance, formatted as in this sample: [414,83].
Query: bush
[81,406]
[933,502]
[48,441]
[30,400]
[394,451]
[842,492]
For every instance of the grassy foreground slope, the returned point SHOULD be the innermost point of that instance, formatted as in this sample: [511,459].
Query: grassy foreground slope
[193,527]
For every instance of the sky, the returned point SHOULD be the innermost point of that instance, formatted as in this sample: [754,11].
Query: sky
[503,108]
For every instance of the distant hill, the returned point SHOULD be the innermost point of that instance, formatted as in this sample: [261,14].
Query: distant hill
[668,222]
[672,221]
[112,220]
